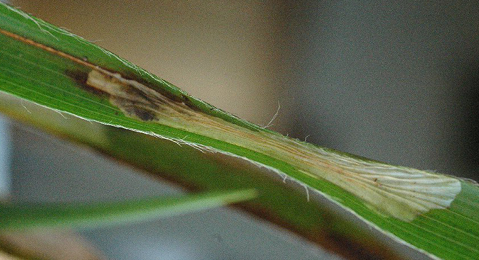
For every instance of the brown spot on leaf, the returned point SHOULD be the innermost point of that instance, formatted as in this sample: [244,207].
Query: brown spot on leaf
[189,103]
[80,78]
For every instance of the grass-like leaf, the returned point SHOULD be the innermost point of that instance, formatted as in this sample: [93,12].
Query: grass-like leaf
[51,67]
[195,170]
[88,215]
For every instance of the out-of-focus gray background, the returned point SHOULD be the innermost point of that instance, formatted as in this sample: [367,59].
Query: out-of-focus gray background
[393,81]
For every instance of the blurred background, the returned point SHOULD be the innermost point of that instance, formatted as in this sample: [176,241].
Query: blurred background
[393,81]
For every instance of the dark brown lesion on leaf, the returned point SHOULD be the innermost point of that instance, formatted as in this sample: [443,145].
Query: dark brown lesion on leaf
[179,98]
[135,111]
[133,102]
[80,78]
[144,115]
[189,103]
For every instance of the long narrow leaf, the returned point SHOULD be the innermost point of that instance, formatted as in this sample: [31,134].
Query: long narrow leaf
[81,215]
[195,170]
[432,212]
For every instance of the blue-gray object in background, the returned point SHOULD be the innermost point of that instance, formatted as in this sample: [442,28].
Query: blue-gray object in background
[4,157]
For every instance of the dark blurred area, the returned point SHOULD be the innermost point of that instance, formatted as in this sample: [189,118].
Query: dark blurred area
[468,114]
[393,81]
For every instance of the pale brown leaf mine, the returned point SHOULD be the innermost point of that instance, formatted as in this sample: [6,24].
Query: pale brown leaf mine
[399,192]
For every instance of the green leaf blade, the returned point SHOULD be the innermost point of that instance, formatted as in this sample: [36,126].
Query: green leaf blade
[57,80]
[88,215]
